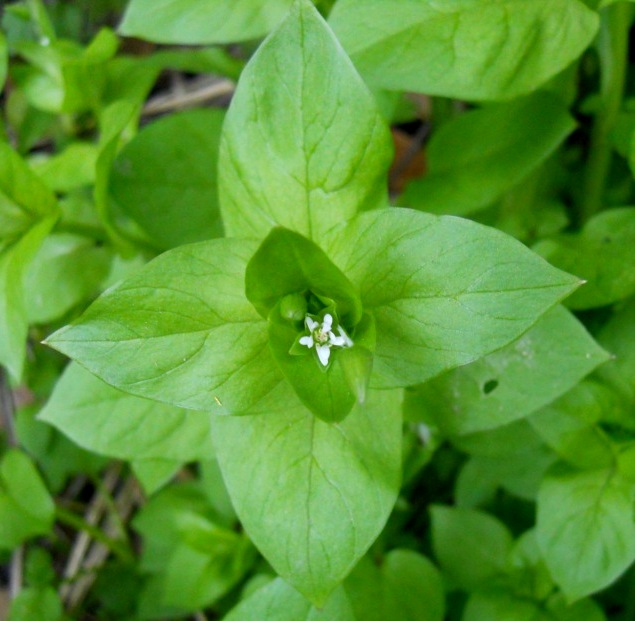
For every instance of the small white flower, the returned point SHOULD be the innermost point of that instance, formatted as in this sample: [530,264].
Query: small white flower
[323,338]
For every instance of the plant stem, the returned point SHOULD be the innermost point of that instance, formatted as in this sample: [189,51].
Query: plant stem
[75,521]
[613,50]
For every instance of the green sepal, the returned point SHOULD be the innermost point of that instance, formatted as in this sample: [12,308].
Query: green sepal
[357,361]
[323,390]
[287,263]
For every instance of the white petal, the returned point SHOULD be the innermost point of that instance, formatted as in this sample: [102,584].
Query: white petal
[338,341]
[323,352]
[306,340]
[347,339]
[327,323]
[310,323]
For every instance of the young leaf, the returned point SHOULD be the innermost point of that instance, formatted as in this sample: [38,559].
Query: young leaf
[303,144]
[480,155]
[464,49]
[279,602]
[194,22]
[181,331]
[26,509]
[69,170]
[603,253]
[165,178]
[547,361]
[153,474]
[402,586]
[313,496]
[472,547]
[106,420]
[439,290]
[585,528]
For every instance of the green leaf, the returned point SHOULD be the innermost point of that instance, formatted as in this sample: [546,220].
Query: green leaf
[66,270]
[501,605]
[402,586]
[191,559]
[181,331]
[73,168]
[14,262]
[105,420]
[303,144]
[153,474]
[603,254]
[463,49]
[22,515]
[585,528]
[547,361]
[195,22]
[475,158]
[472,547]
[440,294]
[570,426]
[43,604]
[279,602]
[313,496]
[306,268]
[24,199]
[165,178]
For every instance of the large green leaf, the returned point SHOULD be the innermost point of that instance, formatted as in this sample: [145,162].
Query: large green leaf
[165,178]
[14,263]
[402,586]
[106,420]
[468,49]
[443,291]
[603,254]
[474,159]
[26,509]
[180,330]
[279,602]
[303,144]
[472,547]
[313,496]
[547,361]
[585,528]
[201,21]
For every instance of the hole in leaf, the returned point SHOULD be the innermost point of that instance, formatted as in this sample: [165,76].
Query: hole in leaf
[490,386]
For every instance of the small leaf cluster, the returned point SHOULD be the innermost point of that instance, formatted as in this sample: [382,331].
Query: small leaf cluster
[304,381]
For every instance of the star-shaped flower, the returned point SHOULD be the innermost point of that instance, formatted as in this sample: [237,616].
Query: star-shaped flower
[323,338]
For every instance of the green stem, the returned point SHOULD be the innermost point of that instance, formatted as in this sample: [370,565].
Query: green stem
[75,521]
[613,50]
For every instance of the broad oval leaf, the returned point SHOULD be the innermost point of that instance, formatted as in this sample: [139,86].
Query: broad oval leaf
[478,156]
[303,144]
[444,291]
[278,601]
[585,528]
[402,586]
[201,21]
[603,253]
[180,330]
[468,49]
[165,178]
[313,496]
[546,362]
[105,420]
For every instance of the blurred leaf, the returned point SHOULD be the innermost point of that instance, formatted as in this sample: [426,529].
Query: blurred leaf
[202,21]
[165,178]
[476,157]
